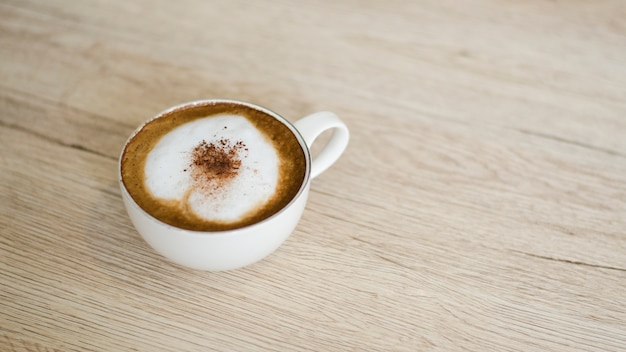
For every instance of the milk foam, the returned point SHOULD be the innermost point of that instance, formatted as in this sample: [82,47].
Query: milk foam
[168,176]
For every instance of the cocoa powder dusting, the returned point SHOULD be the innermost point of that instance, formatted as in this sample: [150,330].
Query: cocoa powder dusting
[215,164]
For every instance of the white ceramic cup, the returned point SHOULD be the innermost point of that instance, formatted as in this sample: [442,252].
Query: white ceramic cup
[231,249]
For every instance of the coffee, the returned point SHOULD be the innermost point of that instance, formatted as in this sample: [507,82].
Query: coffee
[213,166]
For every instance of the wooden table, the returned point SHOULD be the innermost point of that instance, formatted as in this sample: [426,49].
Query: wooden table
[480,205]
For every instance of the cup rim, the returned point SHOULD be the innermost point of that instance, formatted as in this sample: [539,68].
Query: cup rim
[195,103]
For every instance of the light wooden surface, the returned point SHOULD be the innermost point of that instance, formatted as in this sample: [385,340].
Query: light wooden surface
[480,206]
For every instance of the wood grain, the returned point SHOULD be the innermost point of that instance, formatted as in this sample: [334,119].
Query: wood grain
[480,206]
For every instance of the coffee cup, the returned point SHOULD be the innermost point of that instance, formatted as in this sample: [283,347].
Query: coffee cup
[221,184]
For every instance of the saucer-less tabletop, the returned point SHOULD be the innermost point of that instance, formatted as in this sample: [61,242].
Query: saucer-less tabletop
[480,205]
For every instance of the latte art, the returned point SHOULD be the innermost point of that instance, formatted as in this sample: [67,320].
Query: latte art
[214,166]
[220,168]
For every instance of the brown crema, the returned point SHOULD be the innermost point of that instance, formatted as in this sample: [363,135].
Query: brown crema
[214,162]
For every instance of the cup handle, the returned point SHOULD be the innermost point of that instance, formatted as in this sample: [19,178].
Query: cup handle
[312,126]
